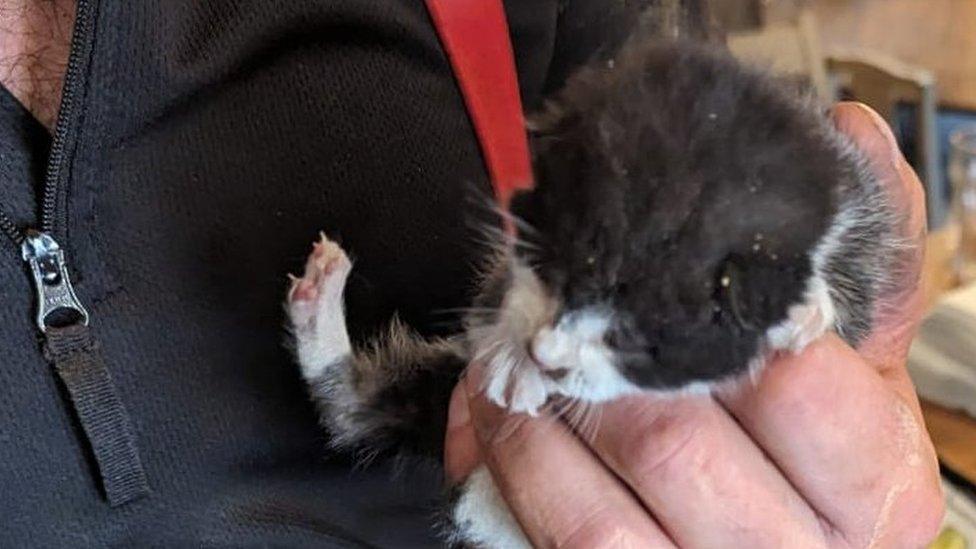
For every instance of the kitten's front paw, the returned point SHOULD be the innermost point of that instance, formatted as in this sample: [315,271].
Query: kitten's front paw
[320,288]
[522,390]
[315,308]
[481,519]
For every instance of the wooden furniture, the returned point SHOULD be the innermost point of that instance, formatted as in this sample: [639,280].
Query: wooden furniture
[784,35]
[885,83]
[937,272]
[787,46]
[746,15]
[937,35]
[952,432]
[954,435]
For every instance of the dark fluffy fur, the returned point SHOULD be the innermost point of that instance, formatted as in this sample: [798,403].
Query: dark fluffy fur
[672,167]
[392,396]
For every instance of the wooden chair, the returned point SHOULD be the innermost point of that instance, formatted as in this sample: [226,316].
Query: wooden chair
[783,35]
[886,83]
[788,46]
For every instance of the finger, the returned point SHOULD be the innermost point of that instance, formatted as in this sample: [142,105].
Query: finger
[848,443]
[896,322]
[894,327]
[701,476]
[461,453]
[560,493]
[873,136]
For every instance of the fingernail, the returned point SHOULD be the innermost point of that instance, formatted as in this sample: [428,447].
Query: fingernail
[458,412]
[881,125]
[474,377]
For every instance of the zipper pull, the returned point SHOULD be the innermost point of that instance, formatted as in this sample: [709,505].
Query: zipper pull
[71,348]
[57,304]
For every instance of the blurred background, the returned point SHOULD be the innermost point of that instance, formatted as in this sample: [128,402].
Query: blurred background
[914,61]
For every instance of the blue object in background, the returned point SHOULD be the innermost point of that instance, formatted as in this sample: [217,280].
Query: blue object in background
[949,120]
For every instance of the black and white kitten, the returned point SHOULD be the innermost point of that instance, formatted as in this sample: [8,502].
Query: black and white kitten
[690,217]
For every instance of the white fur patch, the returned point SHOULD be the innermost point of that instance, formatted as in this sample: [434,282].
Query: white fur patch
[805,322]
[522,343]
[319,324]
[808,321]
[482,517]
[577,345]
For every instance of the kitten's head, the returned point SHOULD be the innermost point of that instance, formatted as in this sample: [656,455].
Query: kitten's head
[689,215]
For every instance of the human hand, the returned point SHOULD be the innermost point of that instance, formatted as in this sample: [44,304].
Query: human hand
[826,449]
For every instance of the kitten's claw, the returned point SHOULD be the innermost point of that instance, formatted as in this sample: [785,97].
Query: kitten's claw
[318,292]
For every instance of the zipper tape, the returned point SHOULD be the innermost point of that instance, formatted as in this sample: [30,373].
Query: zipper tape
[80,365]
[10,229]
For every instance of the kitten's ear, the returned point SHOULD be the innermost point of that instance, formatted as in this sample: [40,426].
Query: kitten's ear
[543,126]
[546,120]
[677,20]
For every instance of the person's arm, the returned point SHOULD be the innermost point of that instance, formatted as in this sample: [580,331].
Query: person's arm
[825,449]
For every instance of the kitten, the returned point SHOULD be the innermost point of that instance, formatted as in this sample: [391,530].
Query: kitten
[690,217]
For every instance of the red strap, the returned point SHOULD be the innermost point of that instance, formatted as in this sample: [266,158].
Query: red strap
[475,36]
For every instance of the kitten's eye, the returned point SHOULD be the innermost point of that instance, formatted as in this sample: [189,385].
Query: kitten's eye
[733,288]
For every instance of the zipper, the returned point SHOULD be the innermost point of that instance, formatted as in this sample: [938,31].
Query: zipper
[57,303]
[80,45]
[68,344]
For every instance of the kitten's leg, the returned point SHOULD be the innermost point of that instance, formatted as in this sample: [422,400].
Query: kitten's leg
[480,518]
[316,311]
[392,395]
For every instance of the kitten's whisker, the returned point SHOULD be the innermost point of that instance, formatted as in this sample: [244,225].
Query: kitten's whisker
[465,310]
[558,407]
[593,423]
[523,225]
[576,414]
[498,239]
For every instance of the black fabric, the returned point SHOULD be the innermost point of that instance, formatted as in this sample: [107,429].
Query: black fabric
[102,415]
[213,140]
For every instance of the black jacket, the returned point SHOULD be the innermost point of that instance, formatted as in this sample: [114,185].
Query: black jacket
[206,145]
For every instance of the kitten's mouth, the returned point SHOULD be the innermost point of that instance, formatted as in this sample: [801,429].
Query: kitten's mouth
[556,374]
[553,373]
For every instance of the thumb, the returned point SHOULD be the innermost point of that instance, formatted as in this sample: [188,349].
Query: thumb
[461,454]
[888,344]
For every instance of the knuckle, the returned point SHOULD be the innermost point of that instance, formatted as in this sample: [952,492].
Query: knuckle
[600,531]
[508,436]
[656,446]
